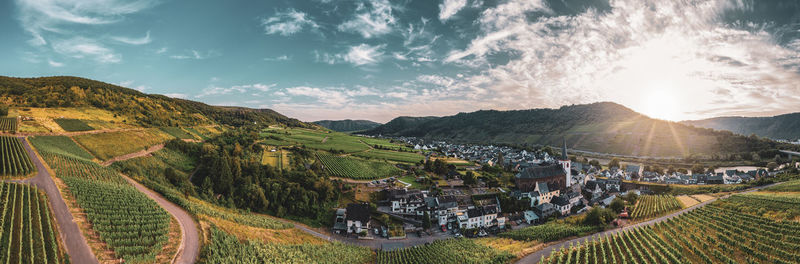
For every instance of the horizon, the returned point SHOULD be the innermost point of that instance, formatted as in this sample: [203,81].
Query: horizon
[378,60]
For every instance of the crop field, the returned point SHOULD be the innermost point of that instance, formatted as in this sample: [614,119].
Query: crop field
[352,168]
[687,200]
[177,132]
[385,144]
[61,145]
[72,125]
[320,140]
[14,160]
[457,250]
[648,206]
[407,157]
[790,186]
[197,133]
[132,225]
[28,233]
[226,248]
[278,158]
[105,146]
[776,206]
[8,124]
[153,166]
[711,234]
[548,232]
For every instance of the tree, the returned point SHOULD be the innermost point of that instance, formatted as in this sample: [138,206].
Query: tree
[614,163]
[617,205]
[426,221]
[598,216]
[671,169]
[697,168]
[772,166]
[469,178]
[658,169]
[594,163]
[631,197]
[3,110]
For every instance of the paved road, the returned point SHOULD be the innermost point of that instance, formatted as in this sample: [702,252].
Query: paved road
[537,256]
[73,239]
[190,239]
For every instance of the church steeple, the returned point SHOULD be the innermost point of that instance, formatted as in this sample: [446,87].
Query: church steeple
[564,150]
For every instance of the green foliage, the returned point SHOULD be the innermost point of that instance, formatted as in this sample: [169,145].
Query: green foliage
[14,160]
[614,163]
[781,206]
[106,146]
[617,205]
[654,205]
[598,216]
[3,110]
[72,125]
[407,157]
[551,231]
[352,168]
[226,248]
[177,132]
[28,232]
[791,186]
[8,124]
[347,125]
[60,145]
[456,250]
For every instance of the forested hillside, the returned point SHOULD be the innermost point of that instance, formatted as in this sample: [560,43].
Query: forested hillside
[347,125]
[137,107]
[776,127]
[598,127]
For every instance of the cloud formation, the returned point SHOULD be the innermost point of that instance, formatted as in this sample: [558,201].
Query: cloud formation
[448,8]
[287,23]
[372,19]
[135,41]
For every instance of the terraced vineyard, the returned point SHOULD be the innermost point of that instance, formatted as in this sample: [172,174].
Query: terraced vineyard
[72,125]
[357,169]
[445,251]
[60,145]
[225,248]
[648,206]
[8,124]
[407,157]
[548,232]
[14,161]
[177,132]
[28,233]
[711,234]
[131,225]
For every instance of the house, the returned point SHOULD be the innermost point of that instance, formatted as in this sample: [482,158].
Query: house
[446,209]
[613,185]
[406,202]
[531,217]
[546,192]
[340,224]
[527,179]
[716,179]
[607,201]
[633,170]
[573,197]
[545,210]
[595,188]
[357,217]
[562,204]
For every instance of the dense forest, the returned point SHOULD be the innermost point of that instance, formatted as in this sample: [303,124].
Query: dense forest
[599,127]
[776,127]
[347,125]
[137,107]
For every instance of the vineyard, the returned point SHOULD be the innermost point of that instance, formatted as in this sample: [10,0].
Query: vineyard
[357,169]
[177,132]
[8,124]
[61,145]
[407,157]
[548,232]
[105,146]
[28,232]
[711,234]
[72,125]
[225,248]
[128,222]
[445,251]
[790,186]
[776,206]
[648,206]
[14,160]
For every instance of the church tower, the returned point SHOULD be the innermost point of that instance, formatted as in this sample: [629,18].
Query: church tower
[566,163]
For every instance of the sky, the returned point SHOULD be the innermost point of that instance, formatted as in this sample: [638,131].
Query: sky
[379,59]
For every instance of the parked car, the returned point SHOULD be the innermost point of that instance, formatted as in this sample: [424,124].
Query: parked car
[444,229]
[375,230]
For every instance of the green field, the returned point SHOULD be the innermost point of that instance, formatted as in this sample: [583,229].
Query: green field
[61,145]
[549,232]
[105,146]
[456,250]
[648,206]
[177,132]
[385,144]
[29,234]
[377,154]
[72,125]
[8,124]
[14,160]
[314,139]
[352,168]
[790,186]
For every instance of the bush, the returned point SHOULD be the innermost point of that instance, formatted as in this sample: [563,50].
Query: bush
[598,216]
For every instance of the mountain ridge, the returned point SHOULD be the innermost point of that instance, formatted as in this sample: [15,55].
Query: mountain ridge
[347,125]
[786,126]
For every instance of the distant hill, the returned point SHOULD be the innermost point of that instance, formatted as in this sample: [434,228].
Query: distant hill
[776,127]
[599,127]
[347,125]
[137,107]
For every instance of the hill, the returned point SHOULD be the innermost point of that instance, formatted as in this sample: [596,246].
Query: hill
[347,125]
[599,127]
[776,127]
[135,107]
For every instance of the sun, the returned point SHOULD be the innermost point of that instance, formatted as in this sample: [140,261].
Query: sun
[659,102]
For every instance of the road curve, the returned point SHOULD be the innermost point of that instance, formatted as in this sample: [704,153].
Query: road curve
[189,249]
[75,243]
[535,257]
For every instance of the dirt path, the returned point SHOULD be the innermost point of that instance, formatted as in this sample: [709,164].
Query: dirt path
[537,256]
[189,249]
[324,139]
[75,243]
[141,153]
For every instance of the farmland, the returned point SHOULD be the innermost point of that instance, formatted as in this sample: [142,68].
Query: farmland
[648,206]
[385,144]
[177,132]
[352,168]
[28,233]
[711,234]
[407,157]
[60,145]
[278,158]
[314,139]
[72,125]
[548,232]
[790,186]
[777,206]
[226,248]
[14,161]
[457,250]
[105,146]
[8,124]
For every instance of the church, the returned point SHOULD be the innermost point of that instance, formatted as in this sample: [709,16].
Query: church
[555,175]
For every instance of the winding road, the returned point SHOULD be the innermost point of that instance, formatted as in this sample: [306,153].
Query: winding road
[535,257]
[75,243]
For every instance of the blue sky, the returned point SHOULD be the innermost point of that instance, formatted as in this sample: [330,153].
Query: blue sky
[377,59]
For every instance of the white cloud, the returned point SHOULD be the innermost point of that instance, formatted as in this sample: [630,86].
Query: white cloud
[216,90]
[195,55]
[287,23]
[79,47]
[448,8]
[55,64]
[278,58]
[329,97]
[135,41]
[364,54]
[372,21]
[162,50]
[177,95]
